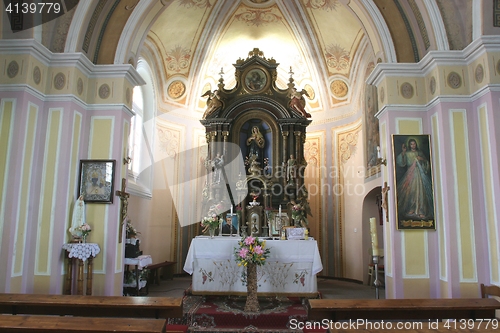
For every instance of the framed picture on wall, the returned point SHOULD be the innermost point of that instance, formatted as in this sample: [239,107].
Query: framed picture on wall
[414,184]
[96,180]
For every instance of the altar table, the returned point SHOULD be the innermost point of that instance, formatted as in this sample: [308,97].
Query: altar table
[291,267]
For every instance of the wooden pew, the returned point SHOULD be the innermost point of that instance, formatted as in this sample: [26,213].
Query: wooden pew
[92,306]
[154,270]
[402,309]
[49,324]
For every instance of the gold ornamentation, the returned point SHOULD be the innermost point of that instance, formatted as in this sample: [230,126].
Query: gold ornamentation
[258,17]
[339,88]
[176,89]
[178,59]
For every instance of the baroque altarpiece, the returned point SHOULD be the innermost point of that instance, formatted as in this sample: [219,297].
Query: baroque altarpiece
[267,125]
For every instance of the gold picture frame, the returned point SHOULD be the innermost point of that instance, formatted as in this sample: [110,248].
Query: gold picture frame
[414,182]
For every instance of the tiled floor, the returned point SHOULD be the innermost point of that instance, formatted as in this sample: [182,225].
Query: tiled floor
[329,288]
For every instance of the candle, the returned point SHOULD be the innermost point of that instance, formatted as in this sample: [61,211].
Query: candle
[279,212]
[231,210]
[373,232]
[378,152]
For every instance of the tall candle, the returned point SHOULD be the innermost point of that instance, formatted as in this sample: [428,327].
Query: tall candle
[231,210]
[373,232]
[378,152]
[279,212]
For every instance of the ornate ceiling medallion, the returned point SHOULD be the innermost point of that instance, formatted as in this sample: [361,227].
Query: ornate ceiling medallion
[339,89]
[79,86]
[37,75]
[407,90]
[104,91]
[59,81]
[12,69]
[432,85]
[176,89]
[454,80]
[479,74]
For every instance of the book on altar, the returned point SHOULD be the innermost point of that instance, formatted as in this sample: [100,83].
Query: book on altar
[295,233]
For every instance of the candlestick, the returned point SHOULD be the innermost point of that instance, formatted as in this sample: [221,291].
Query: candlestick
[373,232]
[279,211]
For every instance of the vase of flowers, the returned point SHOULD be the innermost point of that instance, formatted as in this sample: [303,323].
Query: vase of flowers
[210,223]
[297,215]
[250,253]
[85,229]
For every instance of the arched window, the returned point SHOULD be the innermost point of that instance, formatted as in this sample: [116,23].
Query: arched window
[140,146]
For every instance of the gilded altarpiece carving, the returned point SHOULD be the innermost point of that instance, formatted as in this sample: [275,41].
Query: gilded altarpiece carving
[268,125]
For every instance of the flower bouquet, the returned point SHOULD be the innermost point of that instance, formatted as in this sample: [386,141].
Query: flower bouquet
[210,223]
[130,231]
[250,253]
[299,215]
[85,229]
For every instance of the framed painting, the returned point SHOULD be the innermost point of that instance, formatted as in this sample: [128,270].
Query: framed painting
[96,180]
[278,222]
[230,226]
[414,183]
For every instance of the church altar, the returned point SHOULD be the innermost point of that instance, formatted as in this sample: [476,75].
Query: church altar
[291,267]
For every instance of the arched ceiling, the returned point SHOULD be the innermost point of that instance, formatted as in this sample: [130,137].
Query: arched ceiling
[328,45]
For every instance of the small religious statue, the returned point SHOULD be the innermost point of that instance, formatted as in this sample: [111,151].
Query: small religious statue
[217,165]
[298,102]
[213,102]
[78,218]
[255,143]
[291,166]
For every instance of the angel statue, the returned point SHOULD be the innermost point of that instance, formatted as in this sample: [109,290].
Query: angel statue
[298,102]
[213,102]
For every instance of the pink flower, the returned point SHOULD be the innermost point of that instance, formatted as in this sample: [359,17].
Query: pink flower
[258,249]
[243,252]
[249,240]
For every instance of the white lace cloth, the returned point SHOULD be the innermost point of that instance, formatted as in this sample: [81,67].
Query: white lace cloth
[82,251]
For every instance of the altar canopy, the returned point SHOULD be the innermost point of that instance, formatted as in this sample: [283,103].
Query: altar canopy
[291,267]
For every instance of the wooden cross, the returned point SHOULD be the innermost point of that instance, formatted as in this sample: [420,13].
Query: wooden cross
[385,189]
[124,203]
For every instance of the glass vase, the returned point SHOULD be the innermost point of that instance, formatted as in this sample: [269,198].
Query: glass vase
[211,232]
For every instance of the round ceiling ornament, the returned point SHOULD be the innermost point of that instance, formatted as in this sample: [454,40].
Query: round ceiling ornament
[12,69]
[104,91]
[407,90]
[479,73]
[37,75]
[59,81]
[432,85]
[79,86]
[454,80]
[176,89]
[339,89]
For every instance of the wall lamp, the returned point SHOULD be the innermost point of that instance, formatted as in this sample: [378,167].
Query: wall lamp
[380,160]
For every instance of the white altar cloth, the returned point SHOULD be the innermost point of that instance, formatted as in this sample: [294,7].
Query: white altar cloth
[290,268]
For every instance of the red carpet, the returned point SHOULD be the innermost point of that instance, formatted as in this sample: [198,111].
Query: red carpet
[225,314]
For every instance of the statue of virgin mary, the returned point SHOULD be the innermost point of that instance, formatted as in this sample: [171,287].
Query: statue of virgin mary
[78,217]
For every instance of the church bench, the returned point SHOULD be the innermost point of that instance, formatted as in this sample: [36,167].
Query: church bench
[401,309]
[154,270]
[46,324]
[92,306]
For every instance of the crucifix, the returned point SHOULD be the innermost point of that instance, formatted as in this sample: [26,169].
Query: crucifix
[385,189]
[124,203]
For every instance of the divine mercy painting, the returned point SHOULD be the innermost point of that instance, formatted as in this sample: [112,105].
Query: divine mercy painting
[414,184]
